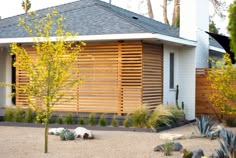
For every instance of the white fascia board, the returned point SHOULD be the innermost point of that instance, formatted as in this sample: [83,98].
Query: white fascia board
[176,40]
[108,37]
[221,50]
[83,38]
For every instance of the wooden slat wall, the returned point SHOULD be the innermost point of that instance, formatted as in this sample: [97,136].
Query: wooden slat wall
[203,90]
[69,101]
[112,79]
[152,75]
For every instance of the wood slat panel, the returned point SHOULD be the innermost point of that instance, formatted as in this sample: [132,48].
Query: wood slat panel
[117,78]
[152,75]
[203,91]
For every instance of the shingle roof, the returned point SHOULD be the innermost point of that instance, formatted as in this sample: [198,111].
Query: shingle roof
[94,17]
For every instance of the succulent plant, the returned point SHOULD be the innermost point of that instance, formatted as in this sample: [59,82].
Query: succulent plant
[204,125]
[67,135]
[228,146]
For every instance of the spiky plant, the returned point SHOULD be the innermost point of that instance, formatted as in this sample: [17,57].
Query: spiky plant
[140,117]
[160,117]
[204,125]
[228,147]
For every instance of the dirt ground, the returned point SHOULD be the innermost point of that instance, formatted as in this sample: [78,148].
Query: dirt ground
[27,142]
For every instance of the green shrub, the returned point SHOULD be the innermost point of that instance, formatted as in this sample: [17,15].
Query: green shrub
[102,120]
[114,122]
[59,120]
[68,119]
[9,114]
[29,115]
[177,115]
[19,114]
[160,117]
[127,121]
[81,121]
[140,117]
[91,119]
[53,119]
[230,122]
[75,120]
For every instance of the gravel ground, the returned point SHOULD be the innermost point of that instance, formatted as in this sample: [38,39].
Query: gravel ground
[27,142]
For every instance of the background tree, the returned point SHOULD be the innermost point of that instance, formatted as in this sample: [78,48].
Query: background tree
[232,26]
[26,5]
[212,27]
[50,68]
[149,8]
[219,7]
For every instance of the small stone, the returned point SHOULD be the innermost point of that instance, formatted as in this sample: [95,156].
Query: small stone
[198,153]
[169,136]
[176,146]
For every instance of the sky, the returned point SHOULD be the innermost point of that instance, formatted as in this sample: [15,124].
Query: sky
[10,8]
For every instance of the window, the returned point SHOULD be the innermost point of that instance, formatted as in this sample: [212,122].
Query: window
[172,72]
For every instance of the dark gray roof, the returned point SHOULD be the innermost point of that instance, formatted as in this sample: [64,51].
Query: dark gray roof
[94,17]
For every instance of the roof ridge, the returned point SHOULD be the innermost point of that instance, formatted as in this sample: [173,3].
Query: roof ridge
[110,8]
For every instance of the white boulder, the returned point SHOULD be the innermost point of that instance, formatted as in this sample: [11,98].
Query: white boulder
[83,132]
[169,136]
[56,131]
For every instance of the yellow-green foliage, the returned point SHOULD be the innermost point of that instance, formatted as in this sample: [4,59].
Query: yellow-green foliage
[232,26]
[127,121]
[140,117]
[160,117]
[9,114]
[114,122]
[51,70]
[223,81]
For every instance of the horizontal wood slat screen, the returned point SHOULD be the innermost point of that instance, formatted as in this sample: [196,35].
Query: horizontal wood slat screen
[203,89]
[152,75]
[111,75]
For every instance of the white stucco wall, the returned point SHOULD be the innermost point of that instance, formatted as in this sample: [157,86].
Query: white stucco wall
[169,94]
[194,22]
[5,76]
[184,77]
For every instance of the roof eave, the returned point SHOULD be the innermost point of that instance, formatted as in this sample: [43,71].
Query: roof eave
[221,50]
[106,37]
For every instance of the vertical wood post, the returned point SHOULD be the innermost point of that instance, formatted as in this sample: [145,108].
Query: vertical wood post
[120,89]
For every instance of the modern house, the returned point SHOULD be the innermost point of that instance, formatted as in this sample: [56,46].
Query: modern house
[129,60]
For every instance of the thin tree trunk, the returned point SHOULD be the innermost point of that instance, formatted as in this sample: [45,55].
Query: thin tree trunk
[166,21]
[176,11]
[149,7]
[46,138]
[26,4]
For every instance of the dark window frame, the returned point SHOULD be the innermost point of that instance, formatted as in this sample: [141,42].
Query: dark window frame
[172,71]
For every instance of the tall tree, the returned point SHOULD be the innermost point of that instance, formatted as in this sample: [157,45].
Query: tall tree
[232,26]
[49,65]
[218,5]
[176,14]
[26,5]
[165,15]
[149,7]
